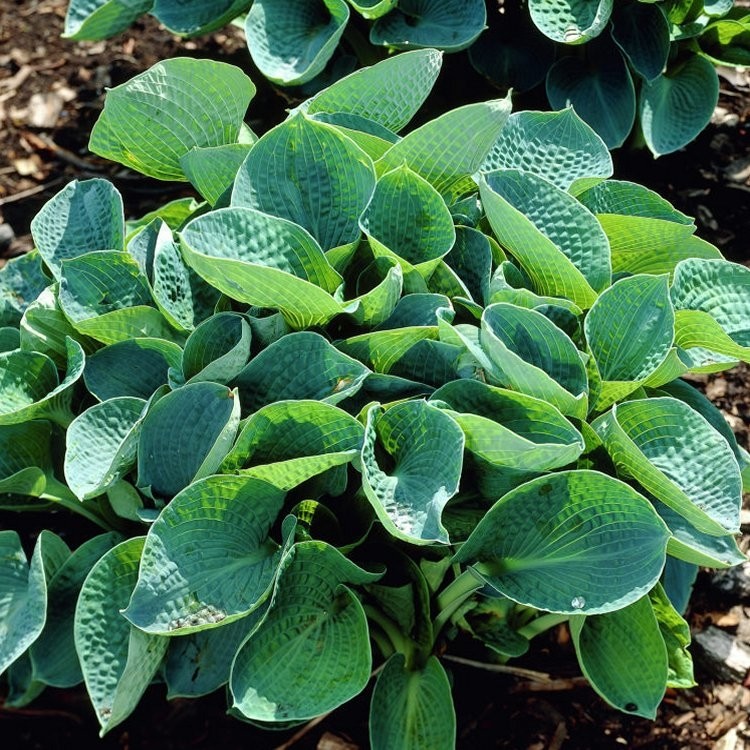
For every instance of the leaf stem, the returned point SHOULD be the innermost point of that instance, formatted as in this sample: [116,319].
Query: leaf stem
[454,595]
[542,624]
[58,493]
[401,643]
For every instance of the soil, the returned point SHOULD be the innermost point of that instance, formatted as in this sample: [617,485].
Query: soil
[51,91]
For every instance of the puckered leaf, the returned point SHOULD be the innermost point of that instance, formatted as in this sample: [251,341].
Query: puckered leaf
[570,21]
[212,169]
[217,349]
[22,280]
[100,19]
[192,17]
[604,541]
[676,634]
[641,30]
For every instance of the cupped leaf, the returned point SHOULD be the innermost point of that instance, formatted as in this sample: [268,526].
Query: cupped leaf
[118,661]
[212,169]
[624,657]
[603,540]
[412,709]
[450,25]
[192,17]
[677,105]
[83,217]
[25,457]
[53,654]
[470,259]
[676,634]
[570,21]
[438,150]
[299,366]
[558,243]
[425,449]
[600,90]
[558,146]
[291,41]
[22,280]
[101,445]
[207,560]
[91,20]
[136,367]
[284,176]
[185,435]
[150,122]
[641,31]
[630,331]
[312,652]
[389,92]
[727,42]
[675,454]
[218,349]
[23,590]
[372,8]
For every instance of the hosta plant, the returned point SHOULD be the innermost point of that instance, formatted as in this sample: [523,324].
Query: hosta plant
[379,394]
[643,62]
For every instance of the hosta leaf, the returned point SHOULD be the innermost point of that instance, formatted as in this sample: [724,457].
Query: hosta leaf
[312,652]
[212,169]
[695,328]
[30,389]
[185,587]
[199,663]
[678,580]
[630,331]
[369,135]
[284,176]
[382,350]
[25,457]
[727,42]
[263,260]
[604,541]
[676,634]
[570,21]
[624,657]
[217,349]
[192,17]
[389,92]
[83,217]
[412,708]
[425,447]
[558,146]
[558,242]
[117,660]
[22,280]
[450,25]
[372,8]
[53,654]
[22,687]
[600,89]
[407,218]
[291,41]
[299,366]
[101,445]
[154,119]
[675,454]
[530,354]
[470,259]
[677,105]
[185,435]
[23,590]
[641,30]
[136,367]
[379,287]
[438,150]
[173,213]
[100,19]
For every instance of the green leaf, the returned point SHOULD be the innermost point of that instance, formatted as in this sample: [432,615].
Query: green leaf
[83,217]
[438,150]
[283,175]
[207,560]
[677,105]
[218,349]
[412,709]
[600,89]
[22,687]
[630,331]
[136,367]
[91,20]
[372,8]
[470,259]
[193,17]
[25,457]
[117,660]
[101,445]
[675,454]
[676,634]
[185,435]
[698,329]
[291,42]
[389,92]
[624,657]
[22,280]
[299,366]
[425,448]
[571,542]
[727,42]
[312,652]
[558,243]
[558,146]
[212,169]
[641,31]
[407,219]
[150,122]
[572,22]
[53,654]
[264,260]
[23,590]
[450,25]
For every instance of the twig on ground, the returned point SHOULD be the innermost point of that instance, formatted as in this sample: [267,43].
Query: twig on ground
[31,191]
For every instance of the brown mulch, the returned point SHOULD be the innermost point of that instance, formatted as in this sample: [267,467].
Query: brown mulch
[51,91]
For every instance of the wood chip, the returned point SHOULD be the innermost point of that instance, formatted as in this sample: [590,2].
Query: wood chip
[44,109]
[722,655]
[330,741]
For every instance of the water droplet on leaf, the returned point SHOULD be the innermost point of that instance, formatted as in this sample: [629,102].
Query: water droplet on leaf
[578,602]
